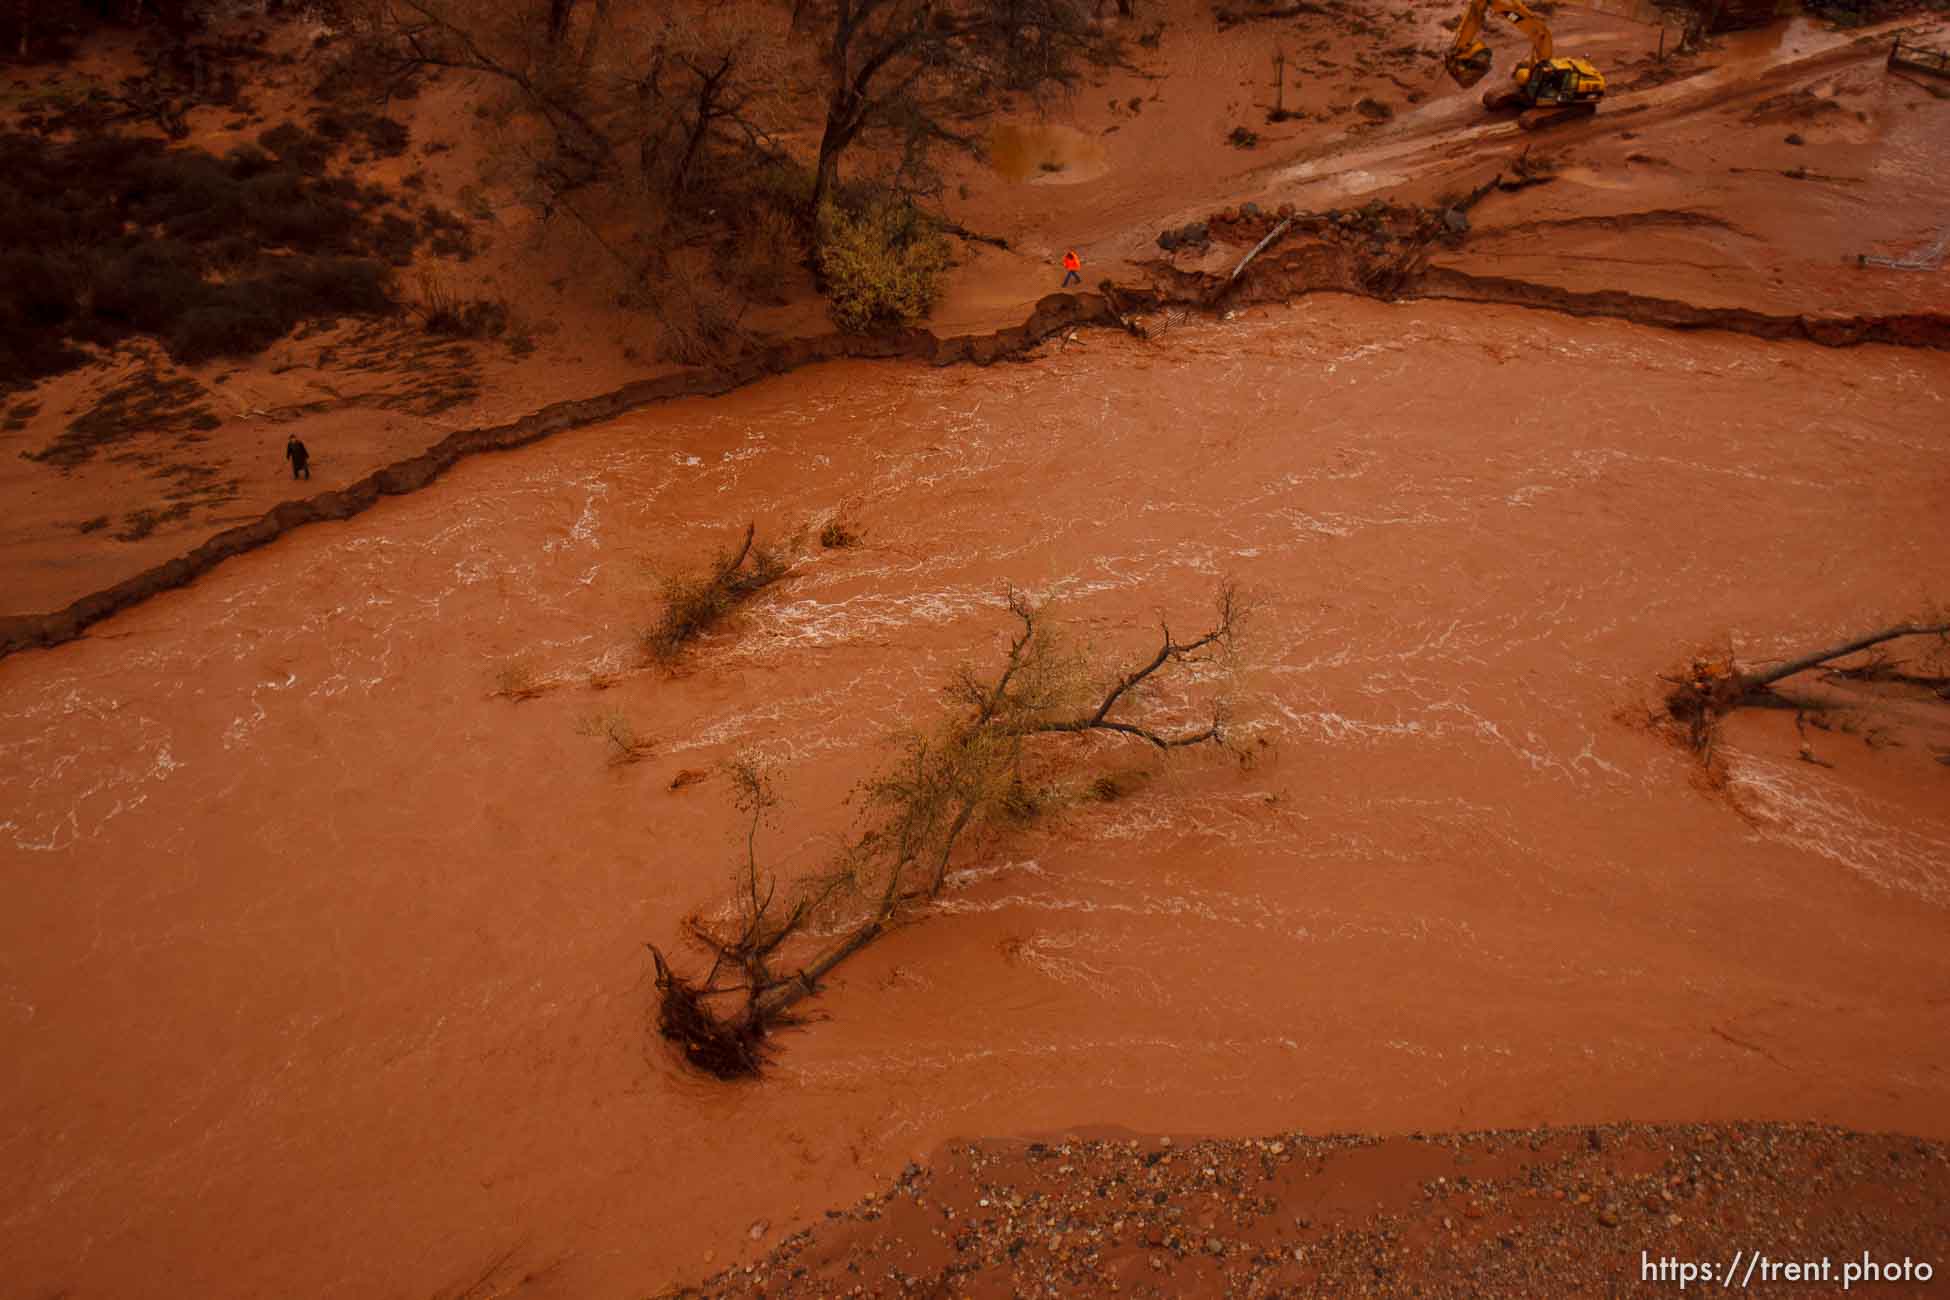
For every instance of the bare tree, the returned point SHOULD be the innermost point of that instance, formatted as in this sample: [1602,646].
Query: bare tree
[634,110]
[918,67]
[967,772]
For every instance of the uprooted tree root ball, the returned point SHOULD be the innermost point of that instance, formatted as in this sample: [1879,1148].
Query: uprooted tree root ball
[728,1049]
[1711,687]
[973,771]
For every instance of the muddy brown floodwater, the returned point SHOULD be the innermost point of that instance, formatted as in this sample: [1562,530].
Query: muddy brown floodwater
[322,972]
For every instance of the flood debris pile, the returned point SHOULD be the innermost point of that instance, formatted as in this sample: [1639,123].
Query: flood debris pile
[992,760]
[1374,250]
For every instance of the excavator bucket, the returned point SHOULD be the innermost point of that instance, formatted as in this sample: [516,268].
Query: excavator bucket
[1470,66]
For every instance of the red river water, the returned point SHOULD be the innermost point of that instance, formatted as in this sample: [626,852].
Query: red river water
[322,969]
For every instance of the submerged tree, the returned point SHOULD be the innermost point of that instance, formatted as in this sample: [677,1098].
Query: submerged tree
[1712,687]
[984,765]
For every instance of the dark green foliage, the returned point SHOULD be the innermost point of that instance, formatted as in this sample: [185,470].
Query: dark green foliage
[382,135]
[297,146]
[111,236]
[242,317]
[446,234]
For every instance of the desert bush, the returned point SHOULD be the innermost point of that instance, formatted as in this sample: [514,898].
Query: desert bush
[240,317]
[616,730]
[882,263]
[386,137]
[696,313]
[446,234]
[294,145]
[40,290]
[517,679]
[146,288]
[109,236]
[232,326]
[784,182]
[442,310]
[694,603]
[765,254]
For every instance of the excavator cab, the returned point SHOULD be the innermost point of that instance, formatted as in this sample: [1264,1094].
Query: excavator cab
[1560,81]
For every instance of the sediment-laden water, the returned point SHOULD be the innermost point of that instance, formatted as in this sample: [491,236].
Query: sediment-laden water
[321,970]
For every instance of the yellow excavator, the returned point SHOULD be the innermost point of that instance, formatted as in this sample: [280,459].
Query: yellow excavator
[1546,89]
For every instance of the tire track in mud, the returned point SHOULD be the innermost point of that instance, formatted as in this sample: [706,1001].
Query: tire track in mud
[1902,329]
[1623,221]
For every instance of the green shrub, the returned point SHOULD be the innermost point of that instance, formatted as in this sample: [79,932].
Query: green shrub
[297,146]
[234,325]
[241,317]
[40,290]
[882,263]
[106,236]
[148,287]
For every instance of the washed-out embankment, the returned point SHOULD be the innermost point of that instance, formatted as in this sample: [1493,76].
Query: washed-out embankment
[1052,315]
[1380,251]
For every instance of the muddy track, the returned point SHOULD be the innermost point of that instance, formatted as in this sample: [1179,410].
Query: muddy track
[1052,315]
[1623,221]
[1908,329]
[1292,271]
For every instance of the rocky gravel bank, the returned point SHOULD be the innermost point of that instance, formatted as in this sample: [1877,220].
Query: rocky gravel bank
[1608,1211]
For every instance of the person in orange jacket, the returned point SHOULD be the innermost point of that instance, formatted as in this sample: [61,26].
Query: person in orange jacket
[1072,268]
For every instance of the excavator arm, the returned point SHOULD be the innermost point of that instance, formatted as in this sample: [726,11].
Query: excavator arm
[1468,60]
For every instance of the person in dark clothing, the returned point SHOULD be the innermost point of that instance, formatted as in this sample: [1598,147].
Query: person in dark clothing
[294,451]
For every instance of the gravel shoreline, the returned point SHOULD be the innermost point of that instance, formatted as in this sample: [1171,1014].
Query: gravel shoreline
[1536,1212]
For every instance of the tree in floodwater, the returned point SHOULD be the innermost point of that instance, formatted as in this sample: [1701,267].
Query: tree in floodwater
[1711,687]
[990,761]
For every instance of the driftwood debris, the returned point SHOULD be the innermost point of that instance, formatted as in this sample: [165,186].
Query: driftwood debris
[1259,248]
[1712,688]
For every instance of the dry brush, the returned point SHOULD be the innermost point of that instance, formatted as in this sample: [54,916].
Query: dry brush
[998,752]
